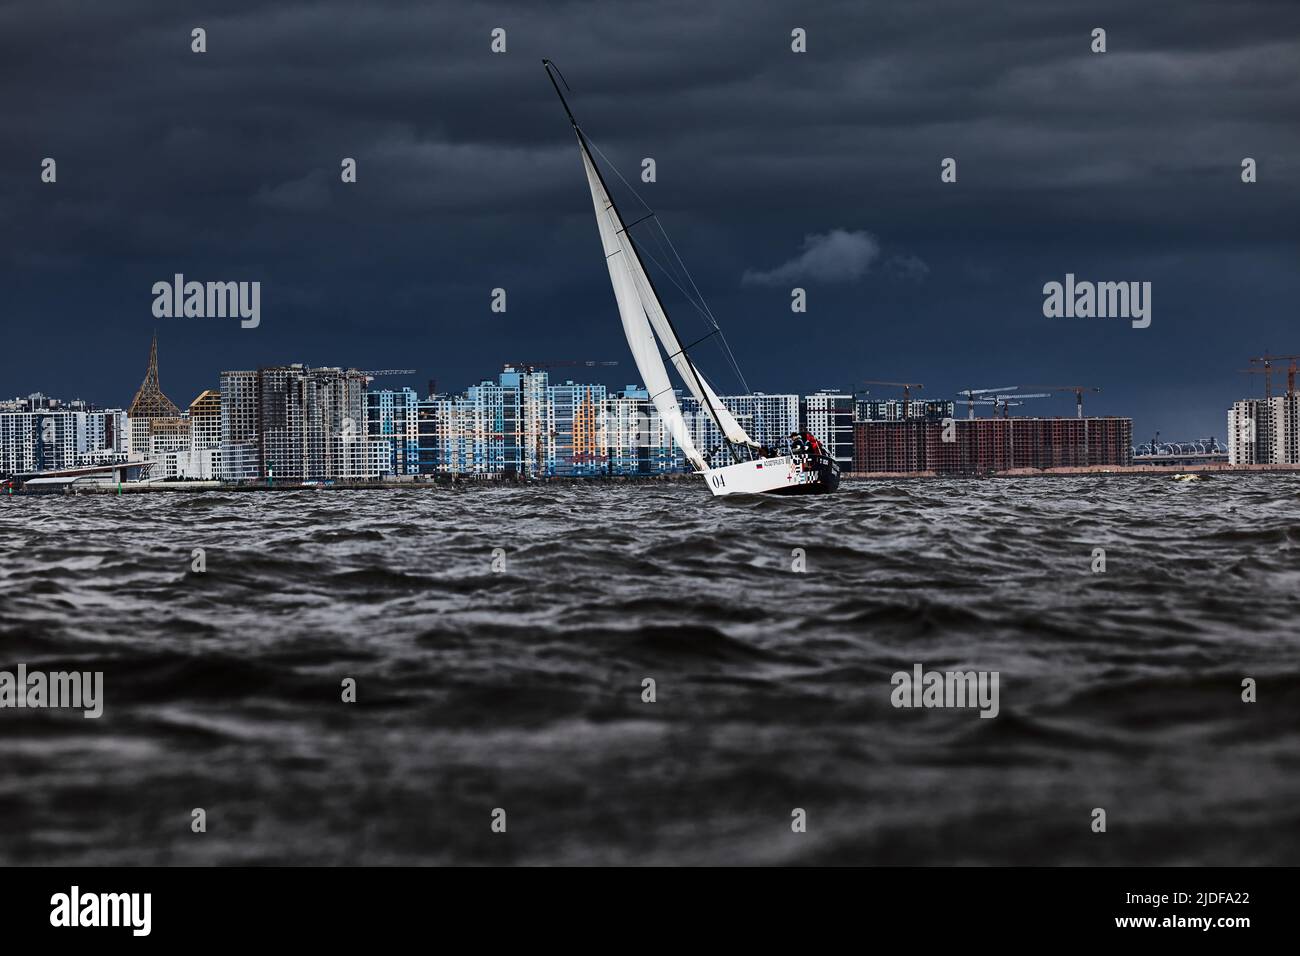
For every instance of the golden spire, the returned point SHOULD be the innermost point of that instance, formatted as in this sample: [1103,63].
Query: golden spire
[149,401]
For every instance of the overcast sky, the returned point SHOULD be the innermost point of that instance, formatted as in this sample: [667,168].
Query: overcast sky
[775,169]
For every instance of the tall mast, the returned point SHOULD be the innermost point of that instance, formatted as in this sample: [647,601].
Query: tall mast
[551,72]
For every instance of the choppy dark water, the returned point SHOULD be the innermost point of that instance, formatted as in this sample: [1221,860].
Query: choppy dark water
[522,690]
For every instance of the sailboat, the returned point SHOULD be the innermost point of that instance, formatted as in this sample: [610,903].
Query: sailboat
[746,468]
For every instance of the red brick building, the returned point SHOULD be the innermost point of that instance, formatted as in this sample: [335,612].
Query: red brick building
[979,446]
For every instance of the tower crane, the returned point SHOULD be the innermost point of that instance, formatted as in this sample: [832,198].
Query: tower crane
[972,401]
[564,363]
[1004,401]
[1078,393]
[1267,360]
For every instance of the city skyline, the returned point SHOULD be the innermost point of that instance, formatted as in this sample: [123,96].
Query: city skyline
[774,169]
[294,421]
[1061,404]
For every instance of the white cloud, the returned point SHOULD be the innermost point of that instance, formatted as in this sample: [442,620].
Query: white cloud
[908,267]
[836,256]
[308,193]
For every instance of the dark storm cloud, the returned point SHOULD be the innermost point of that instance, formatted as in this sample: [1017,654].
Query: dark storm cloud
[226,166]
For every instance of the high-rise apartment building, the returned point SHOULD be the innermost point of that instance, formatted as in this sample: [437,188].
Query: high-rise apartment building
[1286,429]
[393,416]
[240,456]
[298,423]
[490,419]
[1265,431]
[828,414]
[536,421]
[580,444]
[53,437]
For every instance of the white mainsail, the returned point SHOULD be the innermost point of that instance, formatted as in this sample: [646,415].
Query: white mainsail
[636,324]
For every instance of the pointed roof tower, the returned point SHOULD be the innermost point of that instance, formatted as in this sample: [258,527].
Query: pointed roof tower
[149,401]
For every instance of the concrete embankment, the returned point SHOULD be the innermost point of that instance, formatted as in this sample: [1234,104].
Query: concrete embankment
[385,484]
[1113,470]
[465,482]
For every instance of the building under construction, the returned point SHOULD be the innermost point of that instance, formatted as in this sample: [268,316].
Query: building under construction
[980,446]
[1267,431]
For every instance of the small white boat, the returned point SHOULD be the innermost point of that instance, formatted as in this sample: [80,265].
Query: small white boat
[646,325]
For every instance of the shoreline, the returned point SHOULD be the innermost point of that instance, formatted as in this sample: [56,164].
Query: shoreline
[465,482]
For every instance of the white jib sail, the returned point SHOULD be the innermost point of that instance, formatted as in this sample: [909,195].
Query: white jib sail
[636,325]
[703,393]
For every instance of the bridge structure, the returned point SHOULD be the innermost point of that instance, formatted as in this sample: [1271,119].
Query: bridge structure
[1205,451]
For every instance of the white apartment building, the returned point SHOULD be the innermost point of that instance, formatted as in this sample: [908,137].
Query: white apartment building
[33,441]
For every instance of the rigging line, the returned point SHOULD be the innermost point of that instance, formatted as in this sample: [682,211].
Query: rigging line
[716,330]
[637,223]
[726,345]
[685,271]
[646,290]
[636,254]
[703,338]
[706,406]
[668,274]
[630,187]
[673,280]
[735,366]
[701,306]
[705,403]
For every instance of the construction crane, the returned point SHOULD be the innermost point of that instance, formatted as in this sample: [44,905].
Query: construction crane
[1078,393]
[1005,401]
[971,401]
[1267,371]
[376,372]
[905,386]
[564,363]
